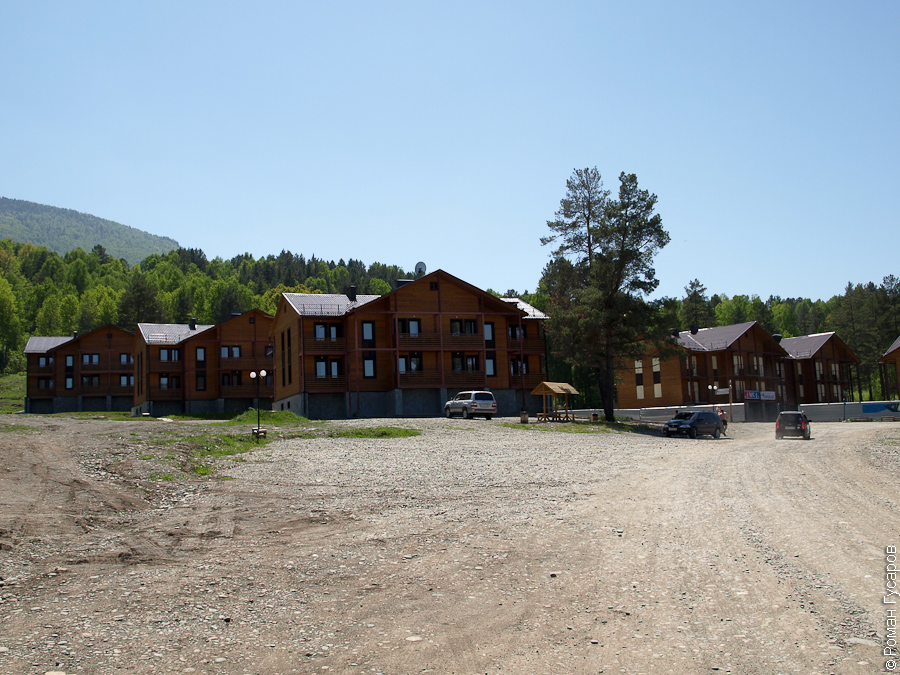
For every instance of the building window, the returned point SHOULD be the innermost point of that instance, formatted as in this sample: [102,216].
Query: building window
[335,368]
[738,361]
[70,383]
[70,361]
[319,331]
[715,366]
[456,361]
[126,380]
[409,326]
[368,364]
[657,379]
[201,381]
[368,333]
[201,354]
[455,326]
[126,359]
[321,367]
[472,363]
[471,326]
[163,381]
[517,332]
[490,363]
[42,362]
[90,359]
[269,351]
[639,378]
[518,366]
[489,335]
[163,354]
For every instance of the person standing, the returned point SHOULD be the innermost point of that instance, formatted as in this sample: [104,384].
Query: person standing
[724,417]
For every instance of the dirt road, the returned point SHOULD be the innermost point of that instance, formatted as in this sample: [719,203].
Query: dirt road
[476,547]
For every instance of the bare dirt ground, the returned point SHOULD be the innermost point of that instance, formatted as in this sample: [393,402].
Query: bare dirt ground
[477,547]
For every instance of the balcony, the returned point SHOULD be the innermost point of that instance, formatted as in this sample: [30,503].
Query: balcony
[324,384]
[528,345]
[325,346]
[246,391]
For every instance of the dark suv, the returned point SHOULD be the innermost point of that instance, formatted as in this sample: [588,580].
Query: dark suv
[792,423]
[693,423]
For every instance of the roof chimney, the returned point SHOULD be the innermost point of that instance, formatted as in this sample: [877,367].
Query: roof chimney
[192,323]
[351,293]
[74,333]
[695,329]
[777,337]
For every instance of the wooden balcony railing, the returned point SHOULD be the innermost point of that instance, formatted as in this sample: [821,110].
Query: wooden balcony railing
[529,345]
[325,346]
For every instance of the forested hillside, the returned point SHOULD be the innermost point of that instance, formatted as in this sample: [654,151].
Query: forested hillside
[63,230]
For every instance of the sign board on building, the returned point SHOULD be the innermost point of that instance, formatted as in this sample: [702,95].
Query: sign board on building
[750,395]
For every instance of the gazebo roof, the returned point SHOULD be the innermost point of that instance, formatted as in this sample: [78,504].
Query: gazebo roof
[548,388]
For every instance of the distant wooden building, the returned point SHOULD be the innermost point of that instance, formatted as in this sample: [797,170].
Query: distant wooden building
[406,352]
[890,370]
[820,369]
[740,363]
[203,369]
[90,372]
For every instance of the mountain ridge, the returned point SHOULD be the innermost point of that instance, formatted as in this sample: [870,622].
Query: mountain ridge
[62,230]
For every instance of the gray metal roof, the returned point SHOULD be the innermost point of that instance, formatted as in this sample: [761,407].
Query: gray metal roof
[41,345]
[168,333]
[532,312]
[804,346]
[894,346]
[325,304]
[713,339]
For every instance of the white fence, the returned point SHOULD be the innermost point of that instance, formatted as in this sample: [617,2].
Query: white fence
[816,412]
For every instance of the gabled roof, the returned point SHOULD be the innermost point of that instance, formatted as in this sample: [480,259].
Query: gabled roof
[713,339]
[325,304]
[530,311]
[804,346]
[168,333]
[892,348]
[42,345]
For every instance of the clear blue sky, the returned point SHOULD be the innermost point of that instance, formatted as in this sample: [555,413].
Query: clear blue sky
[396,132]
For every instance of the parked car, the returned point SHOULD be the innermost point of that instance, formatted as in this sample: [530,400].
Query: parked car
[471,403]
[792,423]
[693,423]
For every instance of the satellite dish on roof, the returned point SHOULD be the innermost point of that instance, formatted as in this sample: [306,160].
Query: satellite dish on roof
[420,269]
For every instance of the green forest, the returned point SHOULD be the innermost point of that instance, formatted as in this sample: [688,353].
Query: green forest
[45,293]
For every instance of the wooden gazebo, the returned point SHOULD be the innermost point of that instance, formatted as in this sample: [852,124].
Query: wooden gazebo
[555,389]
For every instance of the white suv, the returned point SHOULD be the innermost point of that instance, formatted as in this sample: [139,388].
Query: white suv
[471,403]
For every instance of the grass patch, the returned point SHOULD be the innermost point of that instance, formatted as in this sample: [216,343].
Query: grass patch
[161,476]
[268,418]
[12,393]
[14,429]
[375,432]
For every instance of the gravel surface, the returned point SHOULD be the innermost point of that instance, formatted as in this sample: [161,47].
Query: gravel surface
[476,547]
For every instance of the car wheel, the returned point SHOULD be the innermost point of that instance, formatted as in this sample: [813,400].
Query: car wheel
[465,413]
[717,432]
[693,432]
[448,413]
[668,434]
[487,417]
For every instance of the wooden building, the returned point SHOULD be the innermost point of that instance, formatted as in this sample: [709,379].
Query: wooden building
[890,370]
[740,363]
[406,352]
[90,372]
[820,369]
[203,369]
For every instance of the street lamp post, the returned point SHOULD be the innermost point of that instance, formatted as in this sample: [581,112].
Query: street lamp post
[257,377]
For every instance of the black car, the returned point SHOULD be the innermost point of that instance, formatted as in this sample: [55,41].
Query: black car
[792,423]
[693,423]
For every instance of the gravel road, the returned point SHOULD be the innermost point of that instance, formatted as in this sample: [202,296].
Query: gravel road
[476,547]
